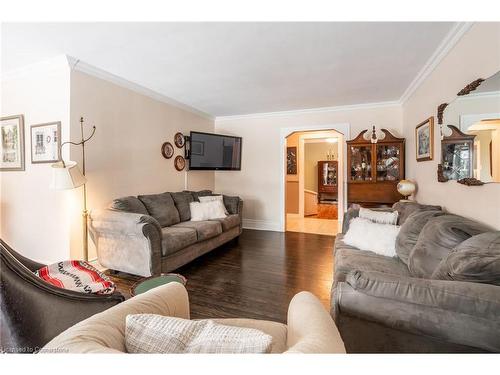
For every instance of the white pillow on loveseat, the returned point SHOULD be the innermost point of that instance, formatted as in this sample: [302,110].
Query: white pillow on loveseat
[367,235]
[207,210]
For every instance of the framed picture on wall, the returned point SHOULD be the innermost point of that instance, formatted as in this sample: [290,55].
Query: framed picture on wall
[424,140]
[45,142]
[12,143]
[291,160]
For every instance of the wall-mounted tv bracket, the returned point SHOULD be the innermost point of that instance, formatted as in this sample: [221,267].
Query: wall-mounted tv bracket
[187,150]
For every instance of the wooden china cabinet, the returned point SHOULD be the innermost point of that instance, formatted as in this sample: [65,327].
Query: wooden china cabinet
[374,170]
[327,180]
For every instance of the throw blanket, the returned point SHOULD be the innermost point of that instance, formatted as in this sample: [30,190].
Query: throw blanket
[78,276]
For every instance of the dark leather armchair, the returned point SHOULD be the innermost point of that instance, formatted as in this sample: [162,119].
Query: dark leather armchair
[33,311]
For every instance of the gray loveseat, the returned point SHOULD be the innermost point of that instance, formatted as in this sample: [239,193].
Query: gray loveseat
[441,293]
[152,234]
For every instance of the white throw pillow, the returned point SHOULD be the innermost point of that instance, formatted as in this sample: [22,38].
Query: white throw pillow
[367,235]
[379,216]
[149,333]
[206,210]
[210,198]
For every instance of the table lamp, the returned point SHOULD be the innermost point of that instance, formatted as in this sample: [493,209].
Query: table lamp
[406,188]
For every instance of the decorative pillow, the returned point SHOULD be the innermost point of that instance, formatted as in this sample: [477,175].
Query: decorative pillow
[475,260]
[78,276]
[148,333]
[182,200]
[129,204]
[437,239]
[367,235]
[410,230]
[162,208]
[380,217]
[211,198]
[207,210]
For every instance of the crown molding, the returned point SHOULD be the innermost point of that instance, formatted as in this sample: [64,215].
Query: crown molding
[340,108]
[76,64]
[452,38]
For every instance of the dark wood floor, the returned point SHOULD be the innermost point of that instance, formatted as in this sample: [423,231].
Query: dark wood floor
[256,277]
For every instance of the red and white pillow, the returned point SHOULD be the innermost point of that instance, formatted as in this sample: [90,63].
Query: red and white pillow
[78,276]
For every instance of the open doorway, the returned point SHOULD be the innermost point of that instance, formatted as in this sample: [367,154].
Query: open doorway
[313,179]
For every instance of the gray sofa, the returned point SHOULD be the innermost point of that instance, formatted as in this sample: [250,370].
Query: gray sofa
[152,234]
[441,293]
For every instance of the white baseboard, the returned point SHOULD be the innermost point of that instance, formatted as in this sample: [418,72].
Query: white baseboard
[261,225]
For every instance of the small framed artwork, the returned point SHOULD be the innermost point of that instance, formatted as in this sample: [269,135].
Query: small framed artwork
[12,143]
[179,163]
[291,160]
[179,140]
[45,142]
[424,140]
[167,150]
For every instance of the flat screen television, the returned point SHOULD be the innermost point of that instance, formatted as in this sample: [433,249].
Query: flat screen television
[214,152]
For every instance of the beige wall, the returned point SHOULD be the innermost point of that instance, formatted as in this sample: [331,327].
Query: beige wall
[35,219]
[476,55]
[314,152]
[258,182]
[124,157]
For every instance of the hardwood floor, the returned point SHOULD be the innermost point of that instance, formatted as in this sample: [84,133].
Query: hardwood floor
[256,277]
[296,223]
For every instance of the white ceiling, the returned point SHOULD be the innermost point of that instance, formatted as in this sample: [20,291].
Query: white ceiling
[241,68]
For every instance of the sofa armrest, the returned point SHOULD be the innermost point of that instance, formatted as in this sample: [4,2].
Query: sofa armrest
[105,332]
[460,312]
[127,242]
[350,214]
[310,327]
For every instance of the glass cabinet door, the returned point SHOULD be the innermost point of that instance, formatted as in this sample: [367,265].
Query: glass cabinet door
[388,162]
[361,163]
[329,174]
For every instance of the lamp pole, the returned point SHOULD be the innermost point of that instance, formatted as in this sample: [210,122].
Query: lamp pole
[85,213]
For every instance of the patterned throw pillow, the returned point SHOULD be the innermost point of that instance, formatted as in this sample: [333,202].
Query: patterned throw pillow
[149,333]
[78,276]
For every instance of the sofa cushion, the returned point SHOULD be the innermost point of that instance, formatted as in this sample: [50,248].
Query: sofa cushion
[197,194]
[175,239]
[476,260]
[129,204]
[348,258]
[162,208]
[204,229]
[229,222]
[182,200]
[231,203]
[410,230]
[436,240]
[405,209]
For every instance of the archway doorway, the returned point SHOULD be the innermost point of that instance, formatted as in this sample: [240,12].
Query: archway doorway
[314,181]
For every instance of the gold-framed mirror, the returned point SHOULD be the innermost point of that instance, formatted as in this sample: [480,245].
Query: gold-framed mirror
[470,134]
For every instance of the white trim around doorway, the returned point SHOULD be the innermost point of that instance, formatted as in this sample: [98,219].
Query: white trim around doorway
[344,129]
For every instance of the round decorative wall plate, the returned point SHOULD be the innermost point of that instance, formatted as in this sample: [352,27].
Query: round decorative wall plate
[179,163]
[179,140]
[167,150]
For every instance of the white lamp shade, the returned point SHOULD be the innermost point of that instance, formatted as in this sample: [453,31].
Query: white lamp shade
[66,177]
[406,187]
